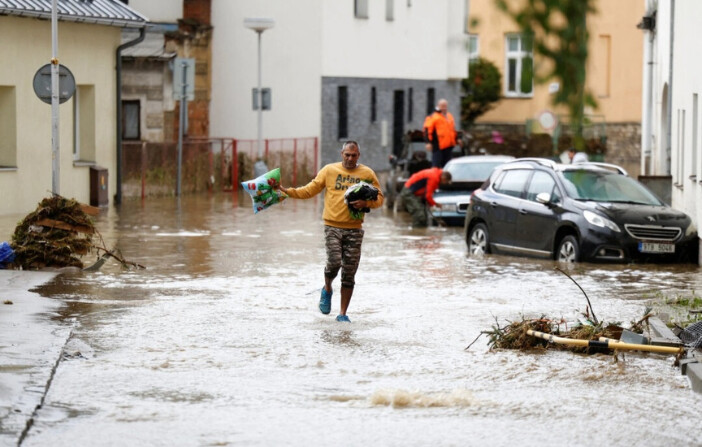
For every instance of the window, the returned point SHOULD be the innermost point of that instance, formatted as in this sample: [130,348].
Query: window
[389,10]
[680,148]
[410,104]
[84,123]
[519,75]
[360,9]
[602,68]
[431,100]
[473,49]
[343,124]
[512,182]
[540,182]
[131,120]
[695,136]
[374,105]
[8,127]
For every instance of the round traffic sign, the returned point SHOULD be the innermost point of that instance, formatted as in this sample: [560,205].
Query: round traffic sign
[548,120]
[42,84]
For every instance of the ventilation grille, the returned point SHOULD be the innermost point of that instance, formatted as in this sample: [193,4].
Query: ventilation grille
[653,233]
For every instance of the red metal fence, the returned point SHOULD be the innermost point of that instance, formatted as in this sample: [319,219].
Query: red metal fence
[208,164]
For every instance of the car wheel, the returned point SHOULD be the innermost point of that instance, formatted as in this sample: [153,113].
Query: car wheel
[479,240]
[568,250]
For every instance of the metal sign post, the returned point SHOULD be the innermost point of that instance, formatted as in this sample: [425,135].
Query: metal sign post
[55,153]
[184,90]
[54,84]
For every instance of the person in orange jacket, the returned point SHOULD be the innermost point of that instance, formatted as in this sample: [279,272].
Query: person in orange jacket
[418,192]
[440,134]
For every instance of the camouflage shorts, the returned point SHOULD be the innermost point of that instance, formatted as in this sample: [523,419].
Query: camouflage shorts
[343,252]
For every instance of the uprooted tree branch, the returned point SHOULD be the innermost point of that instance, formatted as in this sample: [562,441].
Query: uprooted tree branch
[57,234]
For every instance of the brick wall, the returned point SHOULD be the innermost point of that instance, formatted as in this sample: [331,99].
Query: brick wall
[193,40]
[198,10]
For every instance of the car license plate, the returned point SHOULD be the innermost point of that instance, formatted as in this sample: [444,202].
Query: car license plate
[656,247]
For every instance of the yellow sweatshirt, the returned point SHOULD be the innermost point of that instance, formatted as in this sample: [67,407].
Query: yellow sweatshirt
[336,179]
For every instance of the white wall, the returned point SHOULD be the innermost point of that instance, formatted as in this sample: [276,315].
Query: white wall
[417,44]
[654,117]
[316,38]
[686,163]
[291,67]
[163,11]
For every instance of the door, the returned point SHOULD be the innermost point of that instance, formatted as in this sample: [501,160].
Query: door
[398,122]
[503,207]
[536,222]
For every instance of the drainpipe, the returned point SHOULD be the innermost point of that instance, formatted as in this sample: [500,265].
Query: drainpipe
[131,43]
[668,167]
[647,125]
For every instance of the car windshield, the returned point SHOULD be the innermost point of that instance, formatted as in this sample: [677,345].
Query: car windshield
[471,172]
[606,187]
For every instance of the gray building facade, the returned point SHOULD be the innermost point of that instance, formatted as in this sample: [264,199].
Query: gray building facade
[377,113]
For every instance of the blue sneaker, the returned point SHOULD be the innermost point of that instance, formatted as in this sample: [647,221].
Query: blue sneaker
[325,301]
[343,319]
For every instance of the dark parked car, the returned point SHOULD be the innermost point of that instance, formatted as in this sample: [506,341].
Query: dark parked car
[578,212]
[467,174]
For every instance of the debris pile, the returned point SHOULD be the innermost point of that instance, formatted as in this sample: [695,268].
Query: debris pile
[515,334]
[56,234]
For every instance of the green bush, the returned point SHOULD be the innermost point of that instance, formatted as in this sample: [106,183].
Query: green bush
[482,89]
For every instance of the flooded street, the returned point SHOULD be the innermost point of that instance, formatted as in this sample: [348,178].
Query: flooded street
[220,342]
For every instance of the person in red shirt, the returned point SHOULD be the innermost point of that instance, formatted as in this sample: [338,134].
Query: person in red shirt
[440,134]
[418,192]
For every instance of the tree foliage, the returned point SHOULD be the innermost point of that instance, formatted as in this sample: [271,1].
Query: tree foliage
[559,30]
[482,89]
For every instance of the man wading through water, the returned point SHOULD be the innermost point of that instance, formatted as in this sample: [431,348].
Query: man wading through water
[343,234]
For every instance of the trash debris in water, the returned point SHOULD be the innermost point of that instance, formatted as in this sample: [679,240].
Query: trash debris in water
[7,255]
[57,234]
[515,335]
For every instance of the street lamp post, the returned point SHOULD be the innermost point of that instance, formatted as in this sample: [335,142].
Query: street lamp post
[259,25]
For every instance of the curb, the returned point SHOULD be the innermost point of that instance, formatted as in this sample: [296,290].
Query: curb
[690,366]
[31,345]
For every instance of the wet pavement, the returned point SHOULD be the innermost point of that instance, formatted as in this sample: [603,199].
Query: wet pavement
[219,341]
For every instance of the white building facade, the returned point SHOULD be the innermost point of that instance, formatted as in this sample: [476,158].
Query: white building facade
[672,122]
[656,99]
[354,69]
[686,155]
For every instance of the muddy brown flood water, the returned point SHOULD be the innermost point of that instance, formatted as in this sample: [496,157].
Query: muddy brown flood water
[219,341]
